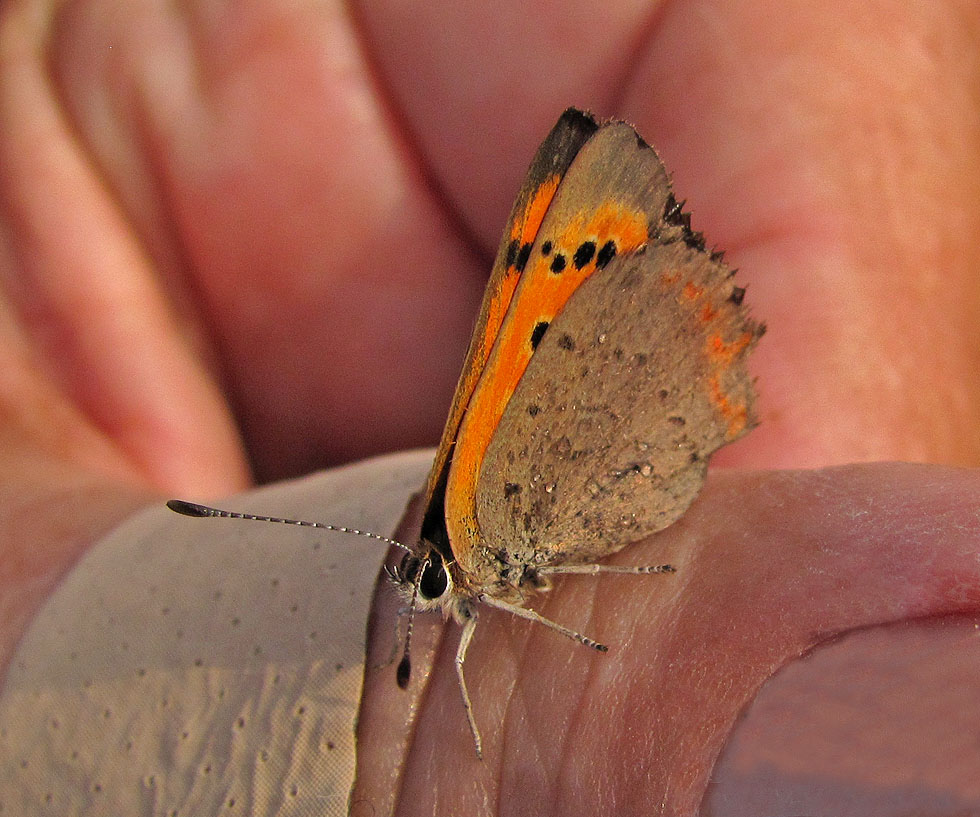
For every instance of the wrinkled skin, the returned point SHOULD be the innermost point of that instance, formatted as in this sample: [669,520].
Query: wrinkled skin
[250,239]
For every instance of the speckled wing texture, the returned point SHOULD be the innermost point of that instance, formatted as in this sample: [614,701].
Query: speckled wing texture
[550,163]
[631,387]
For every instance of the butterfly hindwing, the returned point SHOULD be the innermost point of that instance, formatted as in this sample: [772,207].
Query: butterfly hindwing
[606,436]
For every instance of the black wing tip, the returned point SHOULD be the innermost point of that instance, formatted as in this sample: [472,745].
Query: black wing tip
[187,508]
[578,116]
[587,123]
[575,126]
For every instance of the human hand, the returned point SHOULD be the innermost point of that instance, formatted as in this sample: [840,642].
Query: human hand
[205,206]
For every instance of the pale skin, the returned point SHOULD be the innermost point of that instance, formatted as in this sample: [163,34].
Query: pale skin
[261,237]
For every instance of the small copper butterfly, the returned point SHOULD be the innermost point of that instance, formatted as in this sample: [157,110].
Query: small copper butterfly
[608,363]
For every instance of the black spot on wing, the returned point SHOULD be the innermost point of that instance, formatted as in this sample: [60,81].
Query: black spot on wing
[522,255]
[512,250]
[606,254]
[584,254]
[539,329]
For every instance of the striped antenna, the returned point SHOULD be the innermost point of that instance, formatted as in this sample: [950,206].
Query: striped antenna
[193,509]
[404,671]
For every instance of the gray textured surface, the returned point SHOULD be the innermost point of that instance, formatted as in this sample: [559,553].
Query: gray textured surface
[205,666]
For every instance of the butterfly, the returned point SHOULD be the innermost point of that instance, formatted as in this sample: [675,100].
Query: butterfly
[608,362]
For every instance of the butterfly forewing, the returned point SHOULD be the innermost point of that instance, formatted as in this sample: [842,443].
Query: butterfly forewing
[544,176]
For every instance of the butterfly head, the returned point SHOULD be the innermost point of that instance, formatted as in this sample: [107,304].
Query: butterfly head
[424,579]
[422,575]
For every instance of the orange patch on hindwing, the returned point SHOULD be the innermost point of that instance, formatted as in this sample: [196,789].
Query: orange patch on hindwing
[721,354]
[692,292]
[736,413]
[724,353]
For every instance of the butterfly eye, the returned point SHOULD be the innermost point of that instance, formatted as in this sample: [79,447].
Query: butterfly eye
[434,581]
[408,569]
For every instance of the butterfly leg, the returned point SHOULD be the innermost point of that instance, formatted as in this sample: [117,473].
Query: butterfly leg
[530,615]
[464,643]
[592,570]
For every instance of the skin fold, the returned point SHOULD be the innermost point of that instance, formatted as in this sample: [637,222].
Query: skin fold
[241,243]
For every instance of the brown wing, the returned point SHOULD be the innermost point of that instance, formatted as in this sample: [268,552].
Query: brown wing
[609,200]
[639,378]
